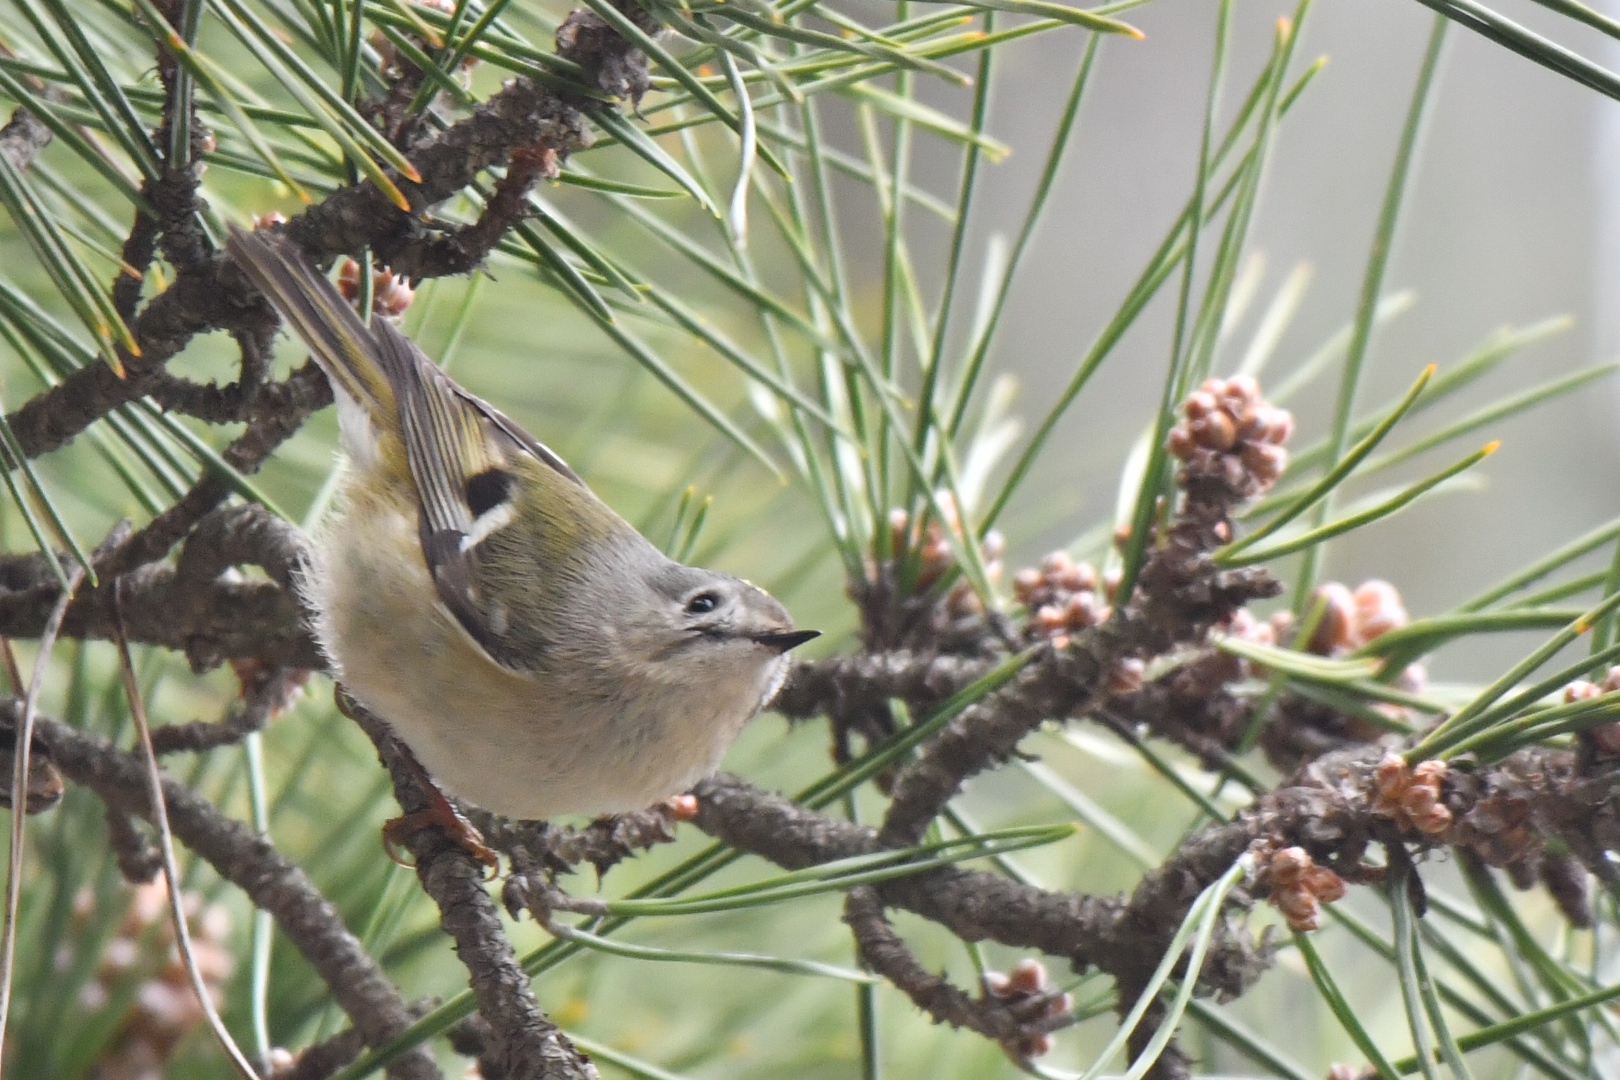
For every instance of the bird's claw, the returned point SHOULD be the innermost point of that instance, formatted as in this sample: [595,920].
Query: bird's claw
[441,814]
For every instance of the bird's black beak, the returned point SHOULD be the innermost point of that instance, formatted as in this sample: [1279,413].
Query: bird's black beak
[783,640]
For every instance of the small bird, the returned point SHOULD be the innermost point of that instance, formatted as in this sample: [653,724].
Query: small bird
[534,651]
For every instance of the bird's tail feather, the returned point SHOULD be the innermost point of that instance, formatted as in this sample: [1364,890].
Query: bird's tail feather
[339,342]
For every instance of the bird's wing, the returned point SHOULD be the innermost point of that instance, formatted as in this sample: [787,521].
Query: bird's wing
[457,447]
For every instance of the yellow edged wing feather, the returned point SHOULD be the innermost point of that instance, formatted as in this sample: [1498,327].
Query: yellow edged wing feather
[317,313]
[458,448]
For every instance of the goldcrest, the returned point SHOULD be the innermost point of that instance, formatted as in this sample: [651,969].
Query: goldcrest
[536,653]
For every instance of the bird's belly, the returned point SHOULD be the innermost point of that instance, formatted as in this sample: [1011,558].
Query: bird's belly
[542,761]
[538,750]
[522,745]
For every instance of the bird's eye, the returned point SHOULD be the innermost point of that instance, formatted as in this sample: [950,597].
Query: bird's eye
[702,603]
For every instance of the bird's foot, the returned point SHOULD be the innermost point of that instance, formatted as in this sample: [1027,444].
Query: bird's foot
[441,813]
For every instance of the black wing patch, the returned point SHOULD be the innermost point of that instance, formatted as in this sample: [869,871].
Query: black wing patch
[488,489]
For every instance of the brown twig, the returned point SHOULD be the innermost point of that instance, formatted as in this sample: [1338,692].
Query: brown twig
[264,694]
[210,293]
[210,622]
[138,859]
[252,863]
[277,411]
[526,1045]
[845,688]
[523,114]
[540,846]
[884,952]
[326,1057]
